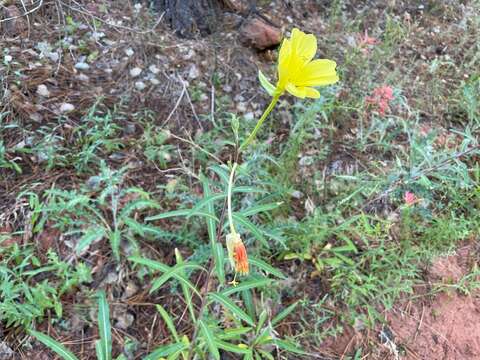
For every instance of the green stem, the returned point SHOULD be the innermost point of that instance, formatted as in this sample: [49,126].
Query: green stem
[259,123]
[229,199]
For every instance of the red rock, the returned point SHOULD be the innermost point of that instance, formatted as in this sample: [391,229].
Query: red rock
[259,35]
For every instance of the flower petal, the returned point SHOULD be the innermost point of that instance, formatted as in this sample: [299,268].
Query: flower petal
[318,72]
[311,93]
[296,91]
[284,59]
[304,46]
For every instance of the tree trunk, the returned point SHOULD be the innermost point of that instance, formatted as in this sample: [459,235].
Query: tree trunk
[190,18]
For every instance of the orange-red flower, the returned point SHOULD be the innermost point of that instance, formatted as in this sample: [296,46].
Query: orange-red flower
[237,253]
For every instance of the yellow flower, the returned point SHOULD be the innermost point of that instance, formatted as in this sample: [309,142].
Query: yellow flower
[297,72]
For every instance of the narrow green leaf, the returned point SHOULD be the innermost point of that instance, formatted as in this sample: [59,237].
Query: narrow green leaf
[185,289]
[220,262]
[216,248]
[260,208]
[166,350]
[266,267]
[53,345]
[207,202]
[235,333]
[115,238]
[180,212]
[284,313]
[247,224]
[266,84]
[176,272]
[88,237]
[105,342]
[210,339]
[232,347]
[230,305]
[288,346]
[256,283]
[137,205]
[247,298]
[169,322]
[222,173]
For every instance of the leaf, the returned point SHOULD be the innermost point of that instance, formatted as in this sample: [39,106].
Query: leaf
[169,322]
[137,205]
[266,84]
[216,248]
[53,345]
[284,313]
[260,208]
[246,285]
[220,262]
[88,237]
[104,345]
[288,346]
[232,347]
[247,224]
[266,267]
[210,339]
[166,350]
[176,272]
[115,238]
[180,212]
[230,305]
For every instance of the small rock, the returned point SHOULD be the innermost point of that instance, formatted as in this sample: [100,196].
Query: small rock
[193,73]
[66,107]
[83,77]
[249,116]
[153,69]
[260,35]
[5,351]
[155,81]
[131,289]
[82,66]
[135,72]
[227,88]
[54,56]
[297,194]
[140,85]
[242,107]
[125,320]
[42,90]
[8,59]
[129,52]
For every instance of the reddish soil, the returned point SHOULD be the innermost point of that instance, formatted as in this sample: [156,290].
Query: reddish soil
[446,327]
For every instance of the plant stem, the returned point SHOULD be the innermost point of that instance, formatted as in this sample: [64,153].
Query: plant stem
[229,198]
[265,114]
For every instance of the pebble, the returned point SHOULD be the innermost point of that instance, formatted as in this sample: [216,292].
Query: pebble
[66,107]
[155,81]
[153,69]
[82,66]
[193,72]
[83,77]
[8,58]
[140,85]
[242,107]
[42,90]
[129,52]
[135,72]
[249,116]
